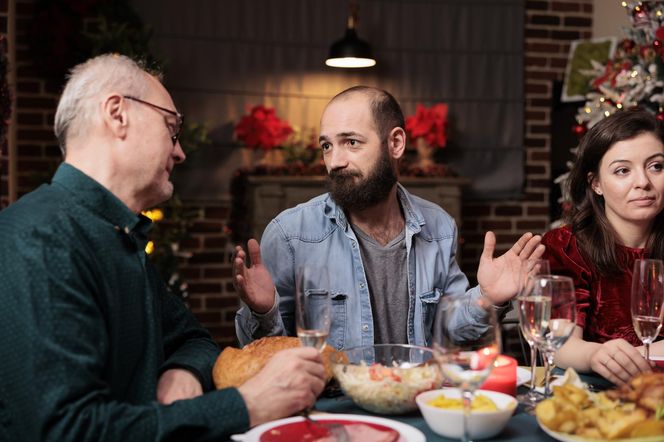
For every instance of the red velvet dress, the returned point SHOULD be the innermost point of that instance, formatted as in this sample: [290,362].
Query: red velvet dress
[603,304]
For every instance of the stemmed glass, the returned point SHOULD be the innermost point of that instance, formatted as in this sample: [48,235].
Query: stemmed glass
[465,355]
[549,309]
[530,269]
[312,307]
[647,300]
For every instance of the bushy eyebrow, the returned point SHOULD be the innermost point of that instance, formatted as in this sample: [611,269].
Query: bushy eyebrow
[341,135]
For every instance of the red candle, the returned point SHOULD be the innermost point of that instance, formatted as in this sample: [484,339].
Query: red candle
[503,376]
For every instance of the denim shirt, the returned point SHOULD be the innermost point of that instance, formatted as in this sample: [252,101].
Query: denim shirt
[317,234]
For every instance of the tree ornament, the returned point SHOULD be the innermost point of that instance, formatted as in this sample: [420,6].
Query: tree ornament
[627,45]
[640,16]
[579,129]
[660,116]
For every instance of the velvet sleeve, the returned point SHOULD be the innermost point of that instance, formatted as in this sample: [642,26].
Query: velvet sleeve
[565,259]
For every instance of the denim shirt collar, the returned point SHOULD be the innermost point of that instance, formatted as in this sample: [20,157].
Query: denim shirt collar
[413,216]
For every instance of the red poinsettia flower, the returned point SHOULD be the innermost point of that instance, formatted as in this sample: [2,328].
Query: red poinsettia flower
[262,129]
[430,123]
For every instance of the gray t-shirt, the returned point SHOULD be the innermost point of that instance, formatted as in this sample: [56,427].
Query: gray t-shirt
[386,270]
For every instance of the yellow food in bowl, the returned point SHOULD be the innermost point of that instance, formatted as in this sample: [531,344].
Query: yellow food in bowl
[479,403]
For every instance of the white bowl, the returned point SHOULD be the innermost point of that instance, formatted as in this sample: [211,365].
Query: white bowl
[481,424]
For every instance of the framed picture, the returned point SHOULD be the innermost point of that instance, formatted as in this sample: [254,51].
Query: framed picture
[581,52]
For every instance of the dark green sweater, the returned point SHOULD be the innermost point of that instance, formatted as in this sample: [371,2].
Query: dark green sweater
[87,326]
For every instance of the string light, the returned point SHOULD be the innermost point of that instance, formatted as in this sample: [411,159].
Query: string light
[149,247]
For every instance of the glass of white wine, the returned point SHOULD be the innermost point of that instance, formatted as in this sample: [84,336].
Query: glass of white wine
[466,355]
[530,269]
[647,300]
[312,307]
[549,310]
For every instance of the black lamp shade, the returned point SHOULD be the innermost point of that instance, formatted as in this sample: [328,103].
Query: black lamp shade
[350,51]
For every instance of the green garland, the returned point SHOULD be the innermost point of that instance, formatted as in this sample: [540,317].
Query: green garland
[65,33]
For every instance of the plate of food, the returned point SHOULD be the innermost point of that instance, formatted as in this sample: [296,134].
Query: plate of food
[358,429]
[627,414]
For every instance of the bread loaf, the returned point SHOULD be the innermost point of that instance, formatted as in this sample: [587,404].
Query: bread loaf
[234,366]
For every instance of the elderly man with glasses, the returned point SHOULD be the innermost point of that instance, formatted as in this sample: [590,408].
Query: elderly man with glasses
[93,346]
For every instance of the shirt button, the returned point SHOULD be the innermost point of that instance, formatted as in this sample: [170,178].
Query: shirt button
[361,285]
[365,327]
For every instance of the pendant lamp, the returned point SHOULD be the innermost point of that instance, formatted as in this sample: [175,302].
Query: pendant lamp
[350,51]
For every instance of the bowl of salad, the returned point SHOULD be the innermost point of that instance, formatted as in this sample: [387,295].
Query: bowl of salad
[386,378]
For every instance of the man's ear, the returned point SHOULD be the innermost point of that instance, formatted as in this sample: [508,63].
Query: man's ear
[396,143]
[114,115]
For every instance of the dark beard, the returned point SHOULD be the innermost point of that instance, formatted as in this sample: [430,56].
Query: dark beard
[366,192]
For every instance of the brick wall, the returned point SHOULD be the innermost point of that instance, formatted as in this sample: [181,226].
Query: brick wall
[550,27]
[36,98]
[4,188]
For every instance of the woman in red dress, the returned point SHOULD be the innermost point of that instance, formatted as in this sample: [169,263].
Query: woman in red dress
[617,191]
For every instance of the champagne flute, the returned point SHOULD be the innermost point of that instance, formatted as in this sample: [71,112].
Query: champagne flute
[550,311]
[647,300]
[466,356]
[312,307]
[530,268]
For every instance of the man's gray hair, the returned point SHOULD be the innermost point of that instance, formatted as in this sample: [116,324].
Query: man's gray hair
[88,82]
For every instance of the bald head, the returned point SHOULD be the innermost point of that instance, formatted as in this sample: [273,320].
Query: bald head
[385,110]
[88,83]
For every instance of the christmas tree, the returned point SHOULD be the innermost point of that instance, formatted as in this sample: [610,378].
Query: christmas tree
[633,77]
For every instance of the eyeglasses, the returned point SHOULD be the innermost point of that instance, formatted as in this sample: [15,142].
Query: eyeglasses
[179,117]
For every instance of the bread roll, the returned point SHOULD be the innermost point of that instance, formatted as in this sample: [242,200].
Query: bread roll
[234,367]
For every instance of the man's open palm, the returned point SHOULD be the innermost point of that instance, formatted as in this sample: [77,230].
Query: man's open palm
[254,284]
[499,277]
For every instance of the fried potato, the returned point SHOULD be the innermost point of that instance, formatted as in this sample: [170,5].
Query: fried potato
[648,428]
[573,410]
[617,424]
[546,413]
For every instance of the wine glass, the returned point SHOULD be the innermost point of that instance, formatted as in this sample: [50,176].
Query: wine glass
[549,310]
[647,300]
[312,306]
[530,268]
[466,355]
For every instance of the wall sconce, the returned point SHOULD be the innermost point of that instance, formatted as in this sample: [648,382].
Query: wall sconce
[350,51]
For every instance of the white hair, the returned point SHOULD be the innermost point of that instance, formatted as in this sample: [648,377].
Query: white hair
[87,83]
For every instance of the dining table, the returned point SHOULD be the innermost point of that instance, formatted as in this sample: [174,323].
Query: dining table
[522,426]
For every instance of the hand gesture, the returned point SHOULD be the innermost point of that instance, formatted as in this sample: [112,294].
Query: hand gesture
[290,382]
[254,284]
[499,277]
[618,361]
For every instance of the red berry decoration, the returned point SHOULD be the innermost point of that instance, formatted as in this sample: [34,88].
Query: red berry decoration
[579,129]
[628,44]
[660,116]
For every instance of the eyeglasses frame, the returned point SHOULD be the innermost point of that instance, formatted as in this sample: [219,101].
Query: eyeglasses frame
[178,115]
